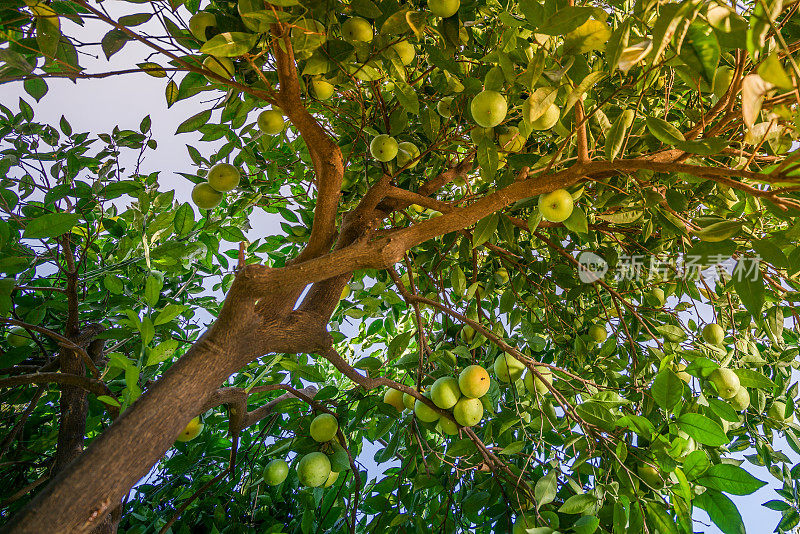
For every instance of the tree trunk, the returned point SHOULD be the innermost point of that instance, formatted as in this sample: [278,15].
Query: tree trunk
[78,498]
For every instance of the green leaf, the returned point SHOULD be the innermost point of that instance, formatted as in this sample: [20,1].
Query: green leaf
[577,504]
[695,464]
[407,96]
[169,312]
[48,36]
[113,284]
[171,93]
[719,231]
[749,285]
[368,363]
[152,290]
[36,87]
[565,20]
[587,524]
[701,51]
[488,158]
[770,253]
[703,147]
[664,131]
[194,122]
[577,221]
[229,44]
[723,410]
[50,225]
[616,136]
[702,429]
[751,378]
[538,102]
[399,344]
[773,72]
[430,123]
[589,36]
[153,69]
[722,511]
[617,43]
[661,519]
[458,280]
[113,42]
[587,83]
[512,448]
[163,351]
[366,8]
[667,389]
[111,401]
[184,219]
[485,229]
[730,479]
[778,506]
[545,490]
[672,333]
[117,189]
[135,19]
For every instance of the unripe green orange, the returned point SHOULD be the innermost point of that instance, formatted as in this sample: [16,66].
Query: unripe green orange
[221,66]
[191,431]
[468,412]
[394,398]
[448,426]
[533,382]
[206,197]
[548,119]
[313,469]
[331,479]
[489,108]
[405,51]
[778,412]
[597,333]
[357,29]
[474,381]
[322,89]
[507,368]
[713,334]
[445,392]
[224,177]
[383,148]
[18,337]
[425,413]
[467,334]
[556,206]
[407,154]
[270,121]
[324,427]
[650,476]
[275,472]
[740,401]
[200,23]
[725,381]
[444,8]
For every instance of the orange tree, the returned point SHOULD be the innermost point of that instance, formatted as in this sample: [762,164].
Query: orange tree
[525,188]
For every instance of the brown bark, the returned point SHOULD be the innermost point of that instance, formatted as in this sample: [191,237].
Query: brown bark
[248,327]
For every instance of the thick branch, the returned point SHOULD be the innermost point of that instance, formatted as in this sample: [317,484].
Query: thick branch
[325,154]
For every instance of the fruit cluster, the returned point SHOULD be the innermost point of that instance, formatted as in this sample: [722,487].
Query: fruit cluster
[463,395]
[315,469]
[222,177]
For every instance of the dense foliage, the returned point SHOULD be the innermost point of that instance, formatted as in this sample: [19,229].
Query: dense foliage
[628,388]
